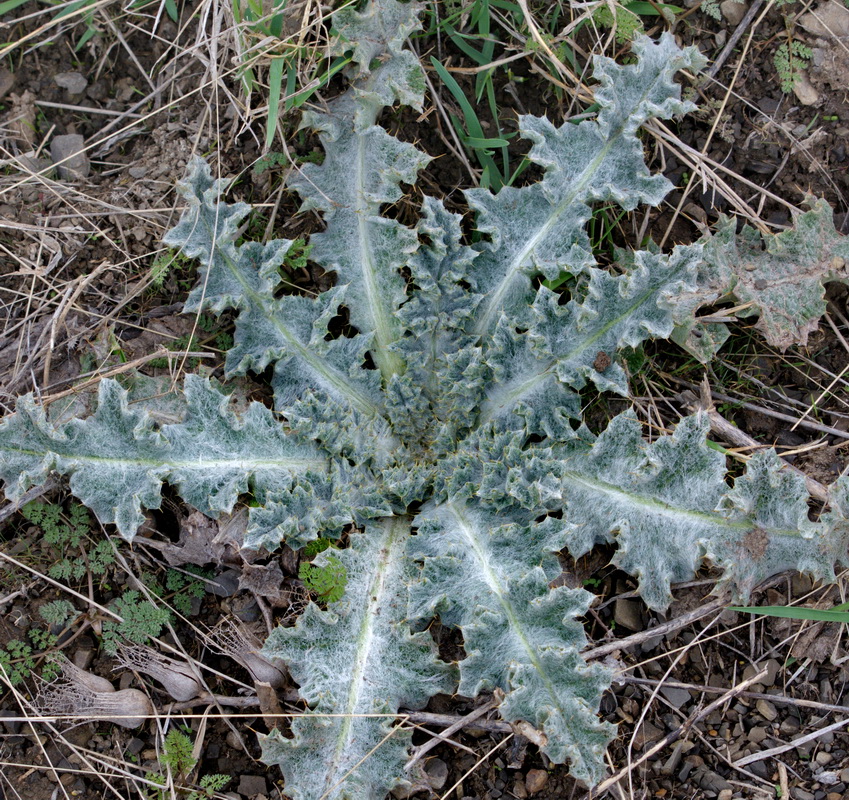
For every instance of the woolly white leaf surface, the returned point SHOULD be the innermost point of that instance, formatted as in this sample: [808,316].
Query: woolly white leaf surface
[356,660]
[457,456]
[540,228]
[781,275]
[117,460]
[491,577]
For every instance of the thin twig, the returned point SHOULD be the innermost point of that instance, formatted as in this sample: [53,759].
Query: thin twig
[735,37]
[779,699]
[659,630]
[462,722]
[783,748]
[814,426]
[87,109]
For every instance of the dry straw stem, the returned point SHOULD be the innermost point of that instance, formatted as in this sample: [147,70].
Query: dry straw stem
[775,751]
[778,699]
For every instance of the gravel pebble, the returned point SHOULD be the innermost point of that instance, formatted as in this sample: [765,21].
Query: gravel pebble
[7,81]
[757,735]
[68,149]
[437,773]
[74,82]
[252,785]
[767,710]
[678,697]
[535,780]
[733,11]
[647,734]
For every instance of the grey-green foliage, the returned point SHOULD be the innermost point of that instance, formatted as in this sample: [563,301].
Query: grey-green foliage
[447,429]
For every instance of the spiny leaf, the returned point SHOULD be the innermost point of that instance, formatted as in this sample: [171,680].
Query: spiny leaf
[356,664]
[454,468]
[117,460]
[540,228]
[491,578]
[667,507]
[782,275]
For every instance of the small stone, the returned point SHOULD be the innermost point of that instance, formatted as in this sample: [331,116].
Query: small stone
[83,656]
[137,172]
[789,726]
[135,746]
[245,608]
[767,710]
[844,775]
[822,758]
[725,794]
[535,780]
[72,81]
[709,780]
[678,697]
[733,11]
[252,785]
[804,90]
[834,796]
[7,81]
[800,794]
[226,584]
[9,723]
[647,734]
[437,773]
[760,769]
[627,614]
[805,750]
[757,735]
[829,19]
[519,790]
[68,150]
[773,667]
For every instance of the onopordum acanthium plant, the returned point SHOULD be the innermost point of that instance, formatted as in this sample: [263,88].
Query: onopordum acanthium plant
[446,432]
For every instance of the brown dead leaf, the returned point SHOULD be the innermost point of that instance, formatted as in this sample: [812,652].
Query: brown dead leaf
[266,581]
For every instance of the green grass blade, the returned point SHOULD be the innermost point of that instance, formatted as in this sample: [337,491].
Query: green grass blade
[72,8]
[302,97]
[473,125]
[644,9]
[10,5]
[291,84]
[275,84]
[276,26]
[790,612]
[485,144]
[460,43]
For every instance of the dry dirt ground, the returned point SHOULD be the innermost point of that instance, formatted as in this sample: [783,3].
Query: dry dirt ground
[751,708]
